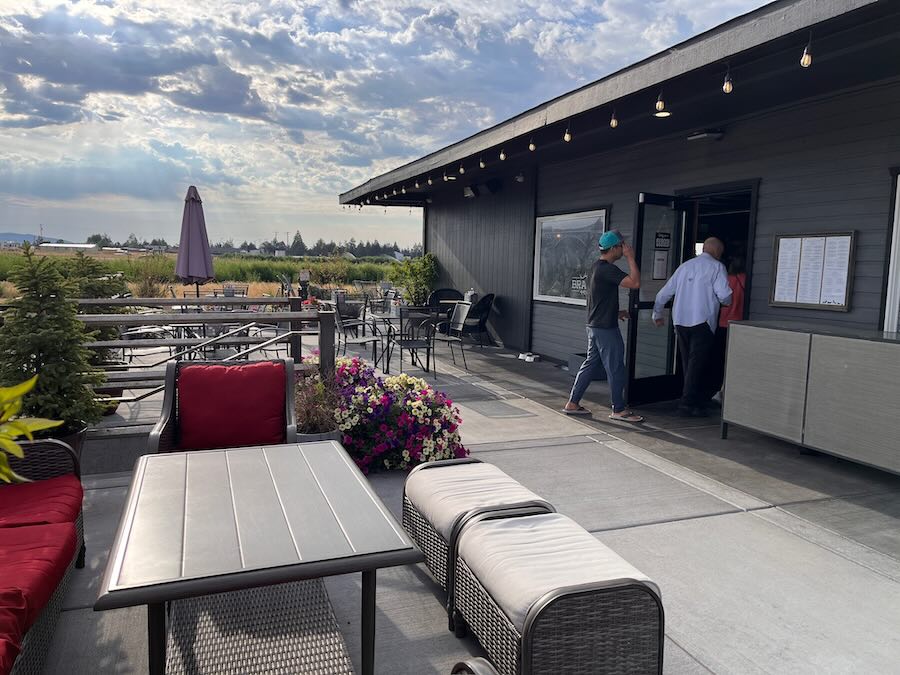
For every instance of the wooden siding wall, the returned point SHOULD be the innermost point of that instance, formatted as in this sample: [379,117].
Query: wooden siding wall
[823,167]
[488,243]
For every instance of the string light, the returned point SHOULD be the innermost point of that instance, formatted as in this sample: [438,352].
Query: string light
[445,177]
[806,59]
[462,169]
[377,198]
[502,154]
[403,189]
[661,107]
[567,136]
[481,163]
[417,185]
[384,195]
[531,145]
[395,191]
[368,201]
[430,182]
[728,85]
[613,120]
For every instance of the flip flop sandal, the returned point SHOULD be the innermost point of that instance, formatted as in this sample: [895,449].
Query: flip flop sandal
[627,417]
[580,410]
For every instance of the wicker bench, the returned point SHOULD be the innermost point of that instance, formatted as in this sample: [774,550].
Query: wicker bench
[542,595]
[439,497]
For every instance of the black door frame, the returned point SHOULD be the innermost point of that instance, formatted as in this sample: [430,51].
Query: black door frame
[751,185]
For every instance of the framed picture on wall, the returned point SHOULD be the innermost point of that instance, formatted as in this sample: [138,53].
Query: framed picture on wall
[565,247]
[813,271]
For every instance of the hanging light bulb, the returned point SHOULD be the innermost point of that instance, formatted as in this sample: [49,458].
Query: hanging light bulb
[368,201]
[661,107]
[445,177]
[384,195]
[502,154]
[395,190]
[430,182]
[567,136]
[531,145]
[377,198]
[728,85]
[462,169]
[403,189]
[613,121]
[806,59]
[417,185]
[481,163]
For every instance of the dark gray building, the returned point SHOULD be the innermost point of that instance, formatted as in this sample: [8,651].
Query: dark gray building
[757,148]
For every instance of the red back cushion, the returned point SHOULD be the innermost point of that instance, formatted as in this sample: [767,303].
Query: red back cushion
[230,406]
[13,613]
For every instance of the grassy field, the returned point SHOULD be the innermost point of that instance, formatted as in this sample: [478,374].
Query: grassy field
[326,272]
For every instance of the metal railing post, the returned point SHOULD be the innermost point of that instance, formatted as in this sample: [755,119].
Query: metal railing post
[296,305]
[326,344]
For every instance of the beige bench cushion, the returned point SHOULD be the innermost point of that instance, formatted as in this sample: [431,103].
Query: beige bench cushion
[518,560]
[442,493]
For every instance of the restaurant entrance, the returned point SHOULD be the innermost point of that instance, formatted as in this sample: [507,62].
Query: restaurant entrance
[670,229]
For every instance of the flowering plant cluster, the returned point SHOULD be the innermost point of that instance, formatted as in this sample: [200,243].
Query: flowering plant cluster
[393,422]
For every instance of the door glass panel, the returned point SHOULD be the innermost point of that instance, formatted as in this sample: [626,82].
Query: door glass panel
[654,349]
[659,248]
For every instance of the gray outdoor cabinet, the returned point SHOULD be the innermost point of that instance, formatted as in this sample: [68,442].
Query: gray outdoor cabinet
[825,388]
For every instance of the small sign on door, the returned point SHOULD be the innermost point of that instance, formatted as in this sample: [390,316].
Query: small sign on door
[660,265]
[663,241]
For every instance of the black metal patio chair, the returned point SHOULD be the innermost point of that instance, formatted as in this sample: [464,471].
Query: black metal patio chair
[348,334]
[413,332]
[452,329]
[476,322]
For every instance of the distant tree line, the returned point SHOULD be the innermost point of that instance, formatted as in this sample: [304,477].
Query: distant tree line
[297,247]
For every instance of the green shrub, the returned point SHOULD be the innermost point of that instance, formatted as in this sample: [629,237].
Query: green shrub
[416,276]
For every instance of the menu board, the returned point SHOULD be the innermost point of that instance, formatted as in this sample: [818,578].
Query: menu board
[813,271]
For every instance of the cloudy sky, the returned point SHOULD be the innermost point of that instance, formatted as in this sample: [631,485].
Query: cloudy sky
[109,109]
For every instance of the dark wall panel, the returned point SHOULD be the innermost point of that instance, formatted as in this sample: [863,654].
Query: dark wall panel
[488,243]
[823,167]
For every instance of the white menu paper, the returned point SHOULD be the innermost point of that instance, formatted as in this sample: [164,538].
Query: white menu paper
[835,270]
[788,269]
[809,282]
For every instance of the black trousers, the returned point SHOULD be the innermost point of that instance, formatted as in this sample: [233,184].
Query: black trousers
[696,345]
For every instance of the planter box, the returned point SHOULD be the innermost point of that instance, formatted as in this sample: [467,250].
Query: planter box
[575,361]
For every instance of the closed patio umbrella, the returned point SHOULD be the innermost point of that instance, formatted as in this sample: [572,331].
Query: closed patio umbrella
[194,263]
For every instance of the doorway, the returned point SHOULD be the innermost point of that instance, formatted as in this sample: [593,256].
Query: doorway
[670,229]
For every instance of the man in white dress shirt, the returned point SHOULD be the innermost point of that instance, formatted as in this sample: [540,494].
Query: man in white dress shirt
[700,287]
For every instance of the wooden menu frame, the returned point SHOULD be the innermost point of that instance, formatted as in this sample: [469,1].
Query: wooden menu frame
[781,279]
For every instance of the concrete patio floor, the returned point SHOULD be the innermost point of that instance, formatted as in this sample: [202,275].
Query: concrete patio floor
[769,560]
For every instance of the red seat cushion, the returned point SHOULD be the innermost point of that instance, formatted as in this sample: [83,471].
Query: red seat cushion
[34,560]
[230,406]
[55,500]
[12,617]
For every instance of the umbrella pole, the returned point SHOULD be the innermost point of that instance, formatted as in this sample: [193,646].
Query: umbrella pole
[198,289]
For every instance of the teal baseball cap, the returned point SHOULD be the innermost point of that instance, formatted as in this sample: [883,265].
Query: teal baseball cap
[610,239]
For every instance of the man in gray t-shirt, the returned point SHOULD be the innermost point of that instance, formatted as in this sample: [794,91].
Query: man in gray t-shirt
[605,344]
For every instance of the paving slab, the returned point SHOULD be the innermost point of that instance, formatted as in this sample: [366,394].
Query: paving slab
[871,519]
[745,596]
[102,509]
[601,488]
[86,642]
[771,470]
[520,419]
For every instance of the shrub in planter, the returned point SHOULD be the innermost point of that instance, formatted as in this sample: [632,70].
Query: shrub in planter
[316,402]
[41,333]
[416,276]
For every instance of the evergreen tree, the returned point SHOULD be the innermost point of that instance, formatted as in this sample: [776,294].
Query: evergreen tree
[100,240]
[298,246]
[41,335]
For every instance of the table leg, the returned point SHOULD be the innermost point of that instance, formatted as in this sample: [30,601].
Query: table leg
[368,622]
[156,637]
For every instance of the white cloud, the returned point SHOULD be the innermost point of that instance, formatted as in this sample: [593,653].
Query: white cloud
[276,106]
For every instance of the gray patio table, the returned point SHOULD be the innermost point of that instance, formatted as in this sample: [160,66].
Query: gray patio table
[212,521]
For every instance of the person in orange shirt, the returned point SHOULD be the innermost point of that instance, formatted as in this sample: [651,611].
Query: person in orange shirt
[737,281]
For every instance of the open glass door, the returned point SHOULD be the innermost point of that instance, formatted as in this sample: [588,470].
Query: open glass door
[654,373]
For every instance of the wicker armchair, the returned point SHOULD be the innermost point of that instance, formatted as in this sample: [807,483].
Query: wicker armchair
[49,458]
[165,436]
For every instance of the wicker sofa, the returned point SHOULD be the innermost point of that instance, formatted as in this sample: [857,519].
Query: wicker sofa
[41,542]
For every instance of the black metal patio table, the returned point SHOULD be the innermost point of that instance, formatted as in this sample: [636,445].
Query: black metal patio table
[214,521]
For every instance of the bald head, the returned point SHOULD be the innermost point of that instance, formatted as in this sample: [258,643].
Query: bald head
[714,247]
